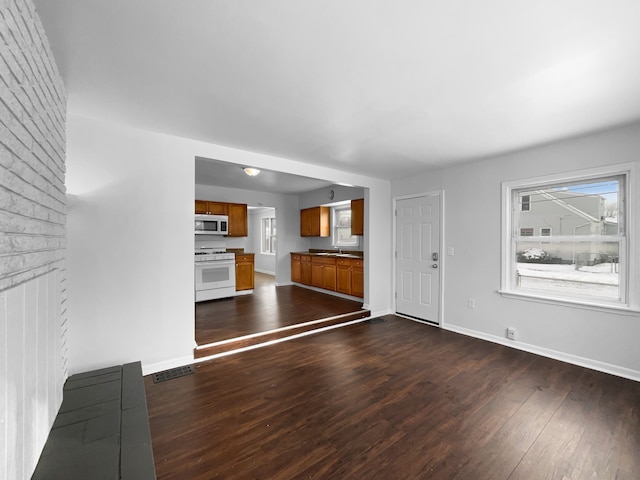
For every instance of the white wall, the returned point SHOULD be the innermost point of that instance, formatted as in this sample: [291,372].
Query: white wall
[32,239]
[130,240]
[602,340]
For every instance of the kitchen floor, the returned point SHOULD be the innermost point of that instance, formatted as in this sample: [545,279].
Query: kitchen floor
[268,308]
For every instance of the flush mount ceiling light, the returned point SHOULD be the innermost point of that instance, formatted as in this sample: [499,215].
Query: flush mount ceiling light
[252,172]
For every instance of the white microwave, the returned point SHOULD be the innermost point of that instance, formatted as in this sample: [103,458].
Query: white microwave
[212,225]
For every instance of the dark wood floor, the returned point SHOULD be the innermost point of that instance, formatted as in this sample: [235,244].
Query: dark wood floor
[268,308]
[394,400]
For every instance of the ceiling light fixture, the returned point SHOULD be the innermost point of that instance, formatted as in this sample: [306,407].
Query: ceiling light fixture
[252,172]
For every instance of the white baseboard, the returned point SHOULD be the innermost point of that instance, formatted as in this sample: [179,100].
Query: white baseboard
[259,270]
[148,369]
[328,292]
[549,353]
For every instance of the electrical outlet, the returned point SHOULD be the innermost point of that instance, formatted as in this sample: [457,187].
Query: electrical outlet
[511,333]
[471,303]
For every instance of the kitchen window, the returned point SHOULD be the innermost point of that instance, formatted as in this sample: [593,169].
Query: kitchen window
[342,227]
[582,251]
[268,236]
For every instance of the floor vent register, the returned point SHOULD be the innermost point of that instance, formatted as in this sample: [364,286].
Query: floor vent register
[173,373]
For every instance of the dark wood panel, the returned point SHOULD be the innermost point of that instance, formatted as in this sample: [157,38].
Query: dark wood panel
[394,400]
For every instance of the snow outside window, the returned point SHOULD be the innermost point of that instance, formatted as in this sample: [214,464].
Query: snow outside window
[581,251]
[268,236]
[342,227]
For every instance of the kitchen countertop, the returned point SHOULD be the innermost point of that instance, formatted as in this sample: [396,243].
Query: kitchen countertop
[239,251]
[328,254]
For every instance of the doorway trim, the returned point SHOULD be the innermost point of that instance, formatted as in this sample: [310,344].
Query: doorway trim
[440,194]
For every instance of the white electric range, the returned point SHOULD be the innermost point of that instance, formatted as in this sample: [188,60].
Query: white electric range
[215,272]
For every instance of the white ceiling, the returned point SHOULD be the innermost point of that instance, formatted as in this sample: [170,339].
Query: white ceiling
[387,88]
[224,174]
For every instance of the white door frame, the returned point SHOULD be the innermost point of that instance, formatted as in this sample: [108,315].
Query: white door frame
[439,193]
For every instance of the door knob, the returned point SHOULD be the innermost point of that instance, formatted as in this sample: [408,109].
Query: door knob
[435,265]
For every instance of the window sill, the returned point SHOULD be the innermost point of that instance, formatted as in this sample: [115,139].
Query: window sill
[600,307]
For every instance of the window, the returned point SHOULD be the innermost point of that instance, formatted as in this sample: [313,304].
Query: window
[582,249]
[342,227]
[268,235]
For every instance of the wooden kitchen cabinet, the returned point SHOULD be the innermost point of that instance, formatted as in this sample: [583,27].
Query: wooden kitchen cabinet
[323,272]
[357,278]
[244,271]
[350,276]
[305,267]
[330,277]
[315,222]
[205,207]
[237,213]
[335,273]
[238,224]
[357,216]
[296,268]
[343,276]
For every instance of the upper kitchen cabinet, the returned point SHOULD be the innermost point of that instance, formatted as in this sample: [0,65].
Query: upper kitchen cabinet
[357,216]
[237,213]
[238,224]
[314,222]
[205,207]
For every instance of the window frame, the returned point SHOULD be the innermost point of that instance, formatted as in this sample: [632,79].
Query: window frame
[263,235]
[334,227]
[628,251]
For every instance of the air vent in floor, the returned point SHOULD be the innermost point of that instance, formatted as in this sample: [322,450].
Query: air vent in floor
[172,373]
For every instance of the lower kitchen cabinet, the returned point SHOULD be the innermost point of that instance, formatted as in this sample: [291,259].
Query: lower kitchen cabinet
[305,268]
[323,272]
[344,275]
[357,278]
[296,268]
[244,271]
[350,276]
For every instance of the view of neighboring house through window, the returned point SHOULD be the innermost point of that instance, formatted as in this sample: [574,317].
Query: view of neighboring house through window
[568,239]
[269,235]
[342,227]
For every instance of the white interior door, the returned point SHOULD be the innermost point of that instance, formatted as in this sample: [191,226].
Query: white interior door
[418,257]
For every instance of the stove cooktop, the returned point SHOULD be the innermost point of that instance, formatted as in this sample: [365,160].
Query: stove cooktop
[210,254]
